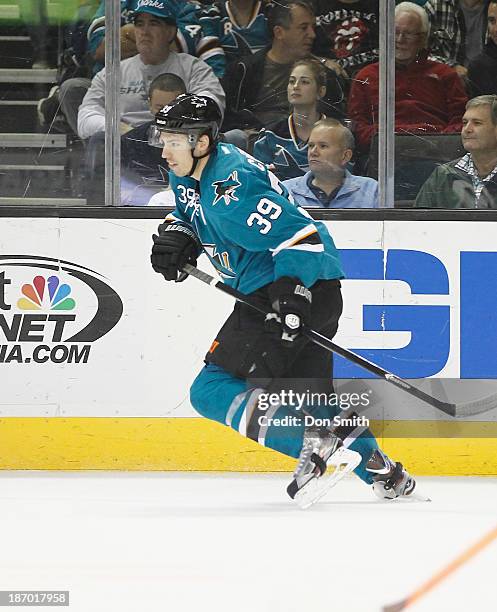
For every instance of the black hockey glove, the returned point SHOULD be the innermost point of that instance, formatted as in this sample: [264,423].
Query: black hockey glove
[291,301]
[175,246]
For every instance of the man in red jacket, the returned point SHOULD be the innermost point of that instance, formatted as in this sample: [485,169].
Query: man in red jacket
[429,96]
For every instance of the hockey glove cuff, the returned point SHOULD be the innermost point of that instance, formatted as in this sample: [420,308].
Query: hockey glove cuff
[174,246]
[291,302]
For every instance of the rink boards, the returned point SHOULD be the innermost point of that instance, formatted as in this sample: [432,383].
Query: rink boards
[97,353]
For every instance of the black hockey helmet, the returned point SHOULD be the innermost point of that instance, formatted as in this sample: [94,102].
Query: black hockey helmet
[188,114]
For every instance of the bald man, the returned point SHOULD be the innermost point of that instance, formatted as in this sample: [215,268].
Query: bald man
[329,184]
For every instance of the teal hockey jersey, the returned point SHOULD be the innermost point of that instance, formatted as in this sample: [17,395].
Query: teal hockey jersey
[281,147]
[219,23]
[249,226]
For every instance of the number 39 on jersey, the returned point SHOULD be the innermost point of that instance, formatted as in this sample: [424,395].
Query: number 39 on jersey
[267,211]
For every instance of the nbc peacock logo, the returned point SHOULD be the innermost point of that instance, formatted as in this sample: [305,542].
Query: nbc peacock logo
[46,293]
[52,310]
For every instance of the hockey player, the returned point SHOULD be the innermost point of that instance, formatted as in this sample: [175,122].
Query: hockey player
[232,208]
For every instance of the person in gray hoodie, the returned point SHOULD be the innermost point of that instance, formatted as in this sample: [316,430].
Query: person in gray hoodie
[155,29]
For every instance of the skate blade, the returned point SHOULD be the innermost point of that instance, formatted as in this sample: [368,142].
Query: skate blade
[413,497]
[344,461]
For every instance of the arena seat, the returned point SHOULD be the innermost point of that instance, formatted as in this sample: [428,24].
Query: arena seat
[416,156]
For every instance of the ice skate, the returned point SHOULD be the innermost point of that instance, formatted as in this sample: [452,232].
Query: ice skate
[322,463]
[391,480]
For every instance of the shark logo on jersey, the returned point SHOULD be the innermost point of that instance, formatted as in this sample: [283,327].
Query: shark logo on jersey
[220,260]
[225,189]
[284,159]
[241,46]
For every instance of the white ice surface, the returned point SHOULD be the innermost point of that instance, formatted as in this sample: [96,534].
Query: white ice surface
[235,543]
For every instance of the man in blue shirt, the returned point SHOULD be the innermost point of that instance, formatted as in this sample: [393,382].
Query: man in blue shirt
[229,206]
[329,184]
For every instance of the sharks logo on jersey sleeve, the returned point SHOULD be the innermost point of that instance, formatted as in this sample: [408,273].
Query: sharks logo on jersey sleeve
[225,189]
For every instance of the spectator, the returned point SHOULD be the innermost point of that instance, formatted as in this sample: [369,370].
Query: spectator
[137,156]
[482,71]
[429,96]
[284,147]
[470,182]
[191,39]
[474,14]
[239,26]
[142,168]
[186,40]
[256,85]
[329,184]
[155,29]
[348,32]
[96,34]
[75,63]
[70,92]
[458,30]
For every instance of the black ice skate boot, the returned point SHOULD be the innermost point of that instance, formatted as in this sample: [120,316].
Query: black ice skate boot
[390,480]
[323,461]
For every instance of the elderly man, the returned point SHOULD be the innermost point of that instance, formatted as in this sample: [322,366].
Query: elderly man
[429,96]
[329,184]
[155,29]
[470,182]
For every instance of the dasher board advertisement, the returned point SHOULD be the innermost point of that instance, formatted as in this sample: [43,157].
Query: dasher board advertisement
[88,329]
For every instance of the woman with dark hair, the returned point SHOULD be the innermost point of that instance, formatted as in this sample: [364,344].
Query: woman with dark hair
[284,147]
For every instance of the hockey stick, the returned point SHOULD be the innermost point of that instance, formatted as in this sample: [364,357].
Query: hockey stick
[453,410]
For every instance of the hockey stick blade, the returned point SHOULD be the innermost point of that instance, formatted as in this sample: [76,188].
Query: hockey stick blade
[343,461]
[466,409]
[476,407]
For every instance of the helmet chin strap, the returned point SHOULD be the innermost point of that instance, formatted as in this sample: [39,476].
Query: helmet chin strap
[195,160]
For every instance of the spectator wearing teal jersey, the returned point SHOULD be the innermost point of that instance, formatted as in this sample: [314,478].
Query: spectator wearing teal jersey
[239,27]
[284,147]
